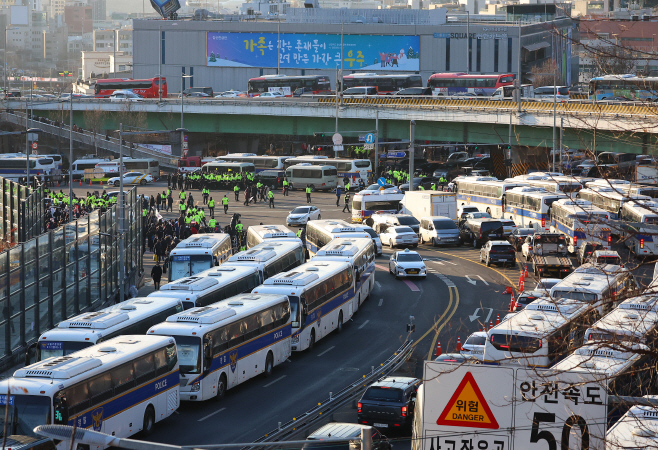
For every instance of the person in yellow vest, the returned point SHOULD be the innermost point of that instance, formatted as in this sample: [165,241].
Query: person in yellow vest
[225,203]
[211,207]
[308,193]
[238,230]
[182,208]
[212,224]
[206,193]
[236,191]
[285,187]
[270,195]
[182,195]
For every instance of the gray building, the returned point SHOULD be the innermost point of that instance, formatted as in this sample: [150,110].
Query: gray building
[187,47]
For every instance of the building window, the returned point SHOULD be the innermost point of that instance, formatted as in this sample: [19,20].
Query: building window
[478,55]
[509,55]
[496,50]
[447,54]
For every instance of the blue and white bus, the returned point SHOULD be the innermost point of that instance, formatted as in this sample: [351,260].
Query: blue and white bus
[197,253]
[360,253]
[488,194]
[579,220]
[120,388]
[640,227]
[321,232]
[630,86]
[321,299]
[261,163]
[528,206]
[351,169]
[609,199]
[271,257]
[15,168]
[367,202]
[229,342]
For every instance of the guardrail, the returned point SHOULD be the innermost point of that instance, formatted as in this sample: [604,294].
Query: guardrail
[309,418]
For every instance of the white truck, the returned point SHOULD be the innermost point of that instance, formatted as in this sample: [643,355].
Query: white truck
[429,203]
[507,92]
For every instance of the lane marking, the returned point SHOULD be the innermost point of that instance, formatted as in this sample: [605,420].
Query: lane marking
[211,414]
[381,300]
[435,323]
[380,267]
[446,321]
[490,268]
[327,350]
[379,286]
[272,382]
[364,324]
[411,285]
[482,279]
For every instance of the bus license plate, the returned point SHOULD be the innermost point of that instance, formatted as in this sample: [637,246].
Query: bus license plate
[381,425]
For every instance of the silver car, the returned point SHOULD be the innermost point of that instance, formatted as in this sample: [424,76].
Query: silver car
[394,236]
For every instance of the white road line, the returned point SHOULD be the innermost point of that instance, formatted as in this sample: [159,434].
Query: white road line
[381,300]
[482,280]
[327,350]
[379,286]
[272,382]
[211,414]
[364,324]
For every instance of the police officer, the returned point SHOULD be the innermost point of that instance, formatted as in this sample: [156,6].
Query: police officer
[236,191]
[211,207]
[338,192]
[238,229]
[308,193]
[212,224]
[285,187]
[206,194]
[182,208]
[347,202]
[225,203]
[270,195]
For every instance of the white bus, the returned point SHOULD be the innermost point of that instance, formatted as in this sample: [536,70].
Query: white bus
[528,206]
[134,316]
[488,194]
[229,342]
[260,163]
[89,388]
[111,168]
[640,225]
[539,335]
[565,185]
[271,257]
[145,165]
[366,202]
[318,178]
[609,199]
[601,286]
[224,167]
[351,169]
[580,221]
[321,299]
[257,234]
[635,429]
[360,253]
[321,232]
[57,160]
[80,165]
[197,253]
[634,320]
[16,168]
[211,285]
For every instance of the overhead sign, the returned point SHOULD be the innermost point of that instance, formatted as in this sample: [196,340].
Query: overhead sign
[467,407]
[337,139]
[396,154]
[313,51]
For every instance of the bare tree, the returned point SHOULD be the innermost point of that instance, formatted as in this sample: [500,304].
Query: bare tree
[94,121]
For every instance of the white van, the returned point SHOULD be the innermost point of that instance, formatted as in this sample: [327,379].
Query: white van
[321,178]
[360,91]
[548,92]
[110,168]
[438,230]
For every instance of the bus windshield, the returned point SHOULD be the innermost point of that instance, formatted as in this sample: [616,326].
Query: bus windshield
[189,354]
[186,265]
[24,413]
[575,295]
[381,205]
[50,349]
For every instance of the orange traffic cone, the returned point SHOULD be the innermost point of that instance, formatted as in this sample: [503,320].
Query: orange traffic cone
[497,319]
[80,181]
[58,184]
[521,286]
[459,344]
[438,349]
[525,272]
[90,182]
[511,303]
[491,324]
[101,182]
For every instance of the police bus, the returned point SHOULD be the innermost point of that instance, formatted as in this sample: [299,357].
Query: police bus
[640,227]
[348,169]
[229,342]
[260,163]
[134,316]
[271,257]
[488,194]
[609,199]
[360,253]
[321,299]
[633,320]
[601,286]
[120,387]
[366,203]
[539,335]
[320,232]
[579,221]
[528,206]
[257,234]
[198,253]
[211,286]
[221,167]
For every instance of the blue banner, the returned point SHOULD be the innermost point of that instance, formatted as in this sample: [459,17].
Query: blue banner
[314,51]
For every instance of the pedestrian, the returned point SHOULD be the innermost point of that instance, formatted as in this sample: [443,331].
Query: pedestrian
[225,203]
[308,193]
[270,195]
[347,202]
[158,201]
[338,192]
[156,274]
[285,187]
[170,202]
[206,193]
[236,191]
[211,207]
[246,197]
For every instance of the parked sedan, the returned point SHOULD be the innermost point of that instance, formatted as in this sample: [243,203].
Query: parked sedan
[398,235]
[132,178]
[517,238]
[474,345]
[498,252]
[125,96]
[407,263]
[302,214]
[273,94]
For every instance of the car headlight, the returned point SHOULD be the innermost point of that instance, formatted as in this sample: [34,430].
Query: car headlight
[196,387]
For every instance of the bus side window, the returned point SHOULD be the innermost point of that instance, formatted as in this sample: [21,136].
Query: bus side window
[61,408]
[160,362]
[144,368]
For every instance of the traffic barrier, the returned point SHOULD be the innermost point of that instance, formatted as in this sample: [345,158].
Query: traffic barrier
[459,344]
[438,349]
[497,319]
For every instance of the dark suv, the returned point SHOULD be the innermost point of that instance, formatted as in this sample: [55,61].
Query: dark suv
[389,402]
[479,231]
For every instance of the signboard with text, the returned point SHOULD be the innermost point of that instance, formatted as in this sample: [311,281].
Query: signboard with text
[313,51]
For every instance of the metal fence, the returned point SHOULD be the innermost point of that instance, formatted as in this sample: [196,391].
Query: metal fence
[66,271]
[22,212]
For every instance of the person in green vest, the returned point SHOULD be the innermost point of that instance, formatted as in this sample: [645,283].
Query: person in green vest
[212,224]
[205,193]
[299,233]
[259,186]
[347,186]
[420,187]
[434,186]
[308,193]
[225,203]
[144,212]
[239,228]
[285,187]
[211,207]
[236,191]
[270,195]
[182,207]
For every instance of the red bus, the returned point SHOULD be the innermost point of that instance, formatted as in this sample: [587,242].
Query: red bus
[147,88]
[313,84]
[446,84]
[386,84]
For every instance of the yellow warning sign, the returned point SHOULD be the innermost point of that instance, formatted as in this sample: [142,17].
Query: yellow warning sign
[467,407]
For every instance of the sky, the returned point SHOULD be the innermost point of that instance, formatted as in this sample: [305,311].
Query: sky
[128,6]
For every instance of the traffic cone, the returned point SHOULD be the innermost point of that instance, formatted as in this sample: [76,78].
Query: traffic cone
[459,344]
[525,272]
[101,182]
[491,324]
[90,182]
[58,184]
[511,303]
[497,319]
[438,349]
[80,181]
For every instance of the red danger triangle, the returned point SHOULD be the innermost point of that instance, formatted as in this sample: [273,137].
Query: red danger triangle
[467,407]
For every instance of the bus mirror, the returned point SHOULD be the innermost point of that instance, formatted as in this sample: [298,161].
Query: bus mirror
[215,260]
[31,354]
[357,275]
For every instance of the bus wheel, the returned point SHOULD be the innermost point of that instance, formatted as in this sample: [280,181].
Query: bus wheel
[269,365]
[221,387]
[339,327]
[311,343]
[149,421]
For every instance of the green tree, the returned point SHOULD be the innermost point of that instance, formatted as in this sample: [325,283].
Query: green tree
[212,57]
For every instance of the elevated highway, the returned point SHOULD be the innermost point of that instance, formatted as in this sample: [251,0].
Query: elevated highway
[627,127]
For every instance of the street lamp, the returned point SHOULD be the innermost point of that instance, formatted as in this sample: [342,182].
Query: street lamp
[182,97]
[27,151]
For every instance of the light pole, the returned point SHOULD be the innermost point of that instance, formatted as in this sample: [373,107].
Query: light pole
[71,158]
[114,47]
[412,138]
[27,151]
[468,42]
[160,64]
[182,97]
[122,266]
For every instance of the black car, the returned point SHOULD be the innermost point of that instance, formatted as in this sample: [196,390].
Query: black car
[517,238]
[272,177]
[586,249]
[389,402]
[479,231]
[498,252]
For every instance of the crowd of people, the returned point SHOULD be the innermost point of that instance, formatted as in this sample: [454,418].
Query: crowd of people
[59,205]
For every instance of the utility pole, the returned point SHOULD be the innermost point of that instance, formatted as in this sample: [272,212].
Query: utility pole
[509,145]
[468,42]
[519,69]
[412,133]
[376,142]
[561,136]
[122,266]
[554,111]
[160,64]
[71,159]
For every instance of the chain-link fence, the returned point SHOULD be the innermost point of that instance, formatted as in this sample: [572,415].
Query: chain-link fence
[71,269]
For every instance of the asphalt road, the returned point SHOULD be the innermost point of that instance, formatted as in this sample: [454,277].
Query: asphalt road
[459,296]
